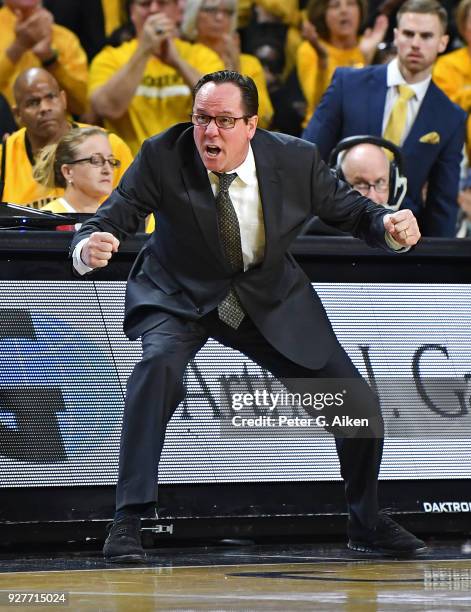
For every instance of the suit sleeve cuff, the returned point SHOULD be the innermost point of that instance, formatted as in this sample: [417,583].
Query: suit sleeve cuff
[77,262]
[394,245]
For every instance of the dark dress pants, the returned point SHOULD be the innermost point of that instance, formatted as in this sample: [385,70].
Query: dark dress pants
[155,388]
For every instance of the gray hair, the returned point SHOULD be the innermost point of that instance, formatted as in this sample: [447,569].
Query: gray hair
[190,16]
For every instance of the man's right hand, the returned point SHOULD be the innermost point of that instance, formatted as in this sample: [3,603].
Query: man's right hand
[99,249]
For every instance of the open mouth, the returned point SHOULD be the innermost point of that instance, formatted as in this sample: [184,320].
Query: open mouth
[212,150]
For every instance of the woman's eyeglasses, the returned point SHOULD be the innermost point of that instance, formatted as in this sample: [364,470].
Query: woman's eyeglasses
[97,160]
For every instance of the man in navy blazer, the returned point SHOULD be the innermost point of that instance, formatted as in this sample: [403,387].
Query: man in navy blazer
[183,274]
[360,101]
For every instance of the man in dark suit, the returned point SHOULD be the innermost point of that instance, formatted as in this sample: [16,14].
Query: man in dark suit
[228,201]
[368,101]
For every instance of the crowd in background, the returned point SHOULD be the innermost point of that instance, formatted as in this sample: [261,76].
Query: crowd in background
[129,66]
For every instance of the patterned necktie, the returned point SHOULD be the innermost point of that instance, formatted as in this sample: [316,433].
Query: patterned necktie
[230,310]
[396,125]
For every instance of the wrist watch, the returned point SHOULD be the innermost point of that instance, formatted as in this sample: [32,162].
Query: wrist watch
[50,60]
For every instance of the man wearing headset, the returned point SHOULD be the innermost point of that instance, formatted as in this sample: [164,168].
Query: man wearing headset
[363,163]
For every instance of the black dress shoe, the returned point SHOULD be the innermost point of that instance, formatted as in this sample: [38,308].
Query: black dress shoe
[123,544]
[388,538]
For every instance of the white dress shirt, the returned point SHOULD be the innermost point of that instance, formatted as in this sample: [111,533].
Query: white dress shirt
[395,78]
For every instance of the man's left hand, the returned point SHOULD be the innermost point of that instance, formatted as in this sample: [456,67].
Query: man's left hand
[402,226]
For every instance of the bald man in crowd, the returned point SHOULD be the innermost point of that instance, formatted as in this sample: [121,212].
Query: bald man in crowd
[29,39]
[366,168]
[40,108]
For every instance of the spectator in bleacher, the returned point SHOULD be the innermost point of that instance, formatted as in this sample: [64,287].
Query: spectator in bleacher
[366,167]
[282,9]
[275,21]
[362,162]
[452,72]
[213,23]
[41,110]
[400,102]
[332,40]
[144,86]
[90,20]
[82,164]
[30,38]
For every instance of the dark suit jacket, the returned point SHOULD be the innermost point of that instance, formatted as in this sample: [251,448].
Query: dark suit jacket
[354,105]
[182,270]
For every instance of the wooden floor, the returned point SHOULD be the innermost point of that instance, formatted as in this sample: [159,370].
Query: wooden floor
[319,577]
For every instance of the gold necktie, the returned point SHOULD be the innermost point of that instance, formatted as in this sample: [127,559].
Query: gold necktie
[397,119]
[230,310]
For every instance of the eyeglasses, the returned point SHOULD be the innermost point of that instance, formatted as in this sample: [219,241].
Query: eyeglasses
[223,122]
[97,160]
[214,10]
[380,186]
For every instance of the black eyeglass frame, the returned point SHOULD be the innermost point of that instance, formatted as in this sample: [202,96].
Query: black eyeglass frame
[113,162]
[216,118]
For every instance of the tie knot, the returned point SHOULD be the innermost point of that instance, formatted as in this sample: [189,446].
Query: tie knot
[406,92]
[225,180]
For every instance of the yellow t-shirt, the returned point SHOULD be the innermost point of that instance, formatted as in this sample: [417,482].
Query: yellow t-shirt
[70,69]
[314,82]
[21,188]
[162,98]
[452,73]
[59,205]
[286,10]
[250,66]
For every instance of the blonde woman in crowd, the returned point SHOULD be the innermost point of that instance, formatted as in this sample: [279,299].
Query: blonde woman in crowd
[332,40]
[82,163]
[213,23]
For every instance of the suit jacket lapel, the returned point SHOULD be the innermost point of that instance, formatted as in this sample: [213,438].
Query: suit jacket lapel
[425,120]
[195,178]
[376,99]
[271,194]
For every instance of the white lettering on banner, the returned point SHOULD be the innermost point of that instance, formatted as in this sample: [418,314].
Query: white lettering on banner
[449,506]
[422,374]
[162,92]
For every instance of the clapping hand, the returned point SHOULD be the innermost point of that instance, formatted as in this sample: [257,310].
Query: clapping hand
[309,32]
[372,37]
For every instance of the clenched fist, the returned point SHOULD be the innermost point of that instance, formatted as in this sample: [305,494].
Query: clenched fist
[402,226]
[99,249]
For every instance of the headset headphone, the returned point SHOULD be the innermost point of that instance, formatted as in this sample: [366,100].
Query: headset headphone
[397,180]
